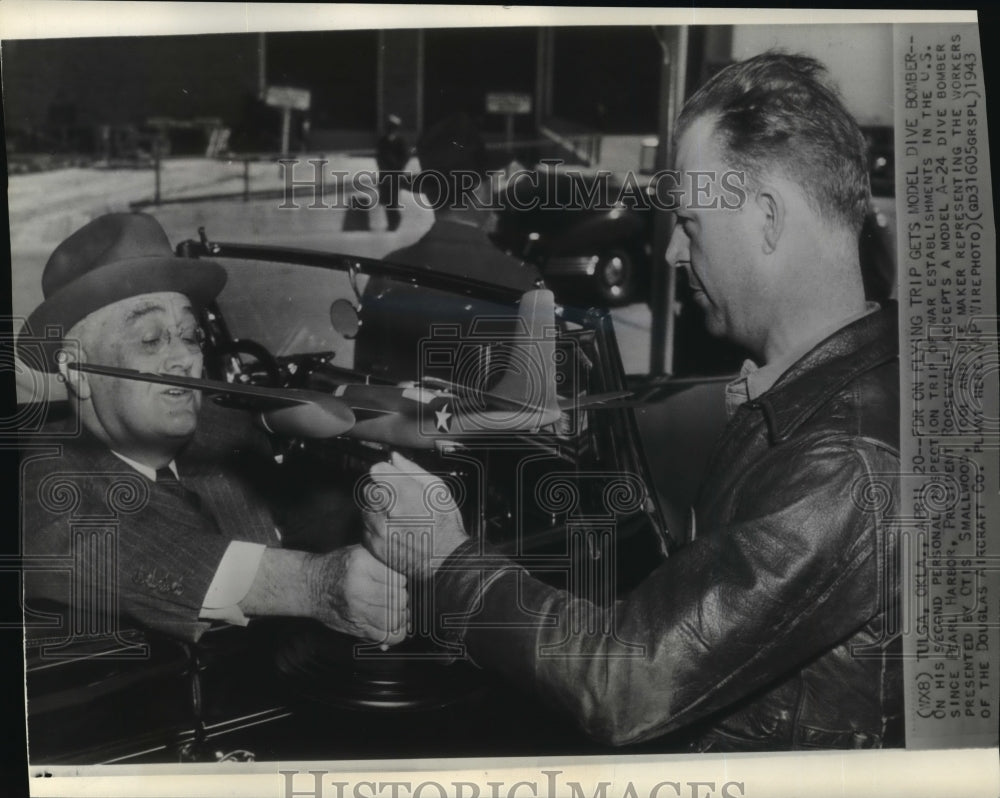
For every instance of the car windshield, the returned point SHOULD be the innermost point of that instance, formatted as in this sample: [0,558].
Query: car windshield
[358,322]
[316,328]
[285,307]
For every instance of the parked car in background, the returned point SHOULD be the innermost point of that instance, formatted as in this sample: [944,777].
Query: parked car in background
[591,234]
[590,242]
[878,236]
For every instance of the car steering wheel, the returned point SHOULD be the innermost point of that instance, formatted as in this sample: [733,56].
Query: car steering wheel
[247,362]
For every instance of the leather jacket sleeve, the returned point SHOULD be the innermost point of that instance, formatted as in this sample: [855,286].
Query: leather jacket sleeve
[743,605]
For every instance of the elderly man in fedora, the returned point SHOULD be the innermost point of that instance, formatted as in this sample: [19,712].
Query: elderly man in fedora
[187,537]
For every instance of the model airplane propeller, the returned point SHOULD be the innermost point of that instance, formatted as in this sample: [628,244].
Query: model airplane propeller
[522,401]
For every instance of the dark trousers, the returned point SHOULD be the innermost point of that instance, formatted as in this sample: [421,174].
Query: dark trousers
[388,196]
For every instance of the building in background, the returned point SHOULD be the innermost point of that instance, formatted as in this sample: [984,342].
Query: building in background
[548,84]
[63,94]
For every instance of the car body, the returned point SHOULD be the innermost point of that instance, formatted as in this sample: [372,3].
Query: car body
[589,235]
[292,689]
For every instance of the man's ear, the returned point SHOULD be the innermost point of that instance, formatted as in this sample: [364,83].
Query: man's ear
[76,380]
[772,207]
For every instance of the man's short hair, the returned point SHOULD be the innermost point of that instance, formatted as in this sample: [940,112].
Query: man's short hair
[780,113]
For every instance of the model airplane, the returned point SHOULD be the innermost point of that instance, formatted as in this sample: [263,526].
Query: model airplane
[419,416]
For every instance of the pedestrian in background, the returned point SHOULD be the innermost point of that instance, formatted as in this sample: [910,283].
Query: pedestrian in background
[391,155]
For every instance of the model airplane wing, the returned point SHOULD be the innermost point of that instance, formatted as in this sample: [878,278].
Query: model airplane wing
[288,411]
[523,401]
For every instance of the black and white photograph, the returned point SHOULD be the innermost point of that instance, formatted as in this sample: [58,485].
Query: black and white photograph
[562,401]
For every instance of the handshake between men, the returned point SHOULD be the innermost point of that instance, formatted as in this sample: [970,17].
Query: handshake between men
[354,589]
[411,521]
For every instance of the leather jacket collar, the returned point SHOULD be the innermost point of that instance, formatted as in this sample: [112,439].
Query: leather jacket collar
[818,376]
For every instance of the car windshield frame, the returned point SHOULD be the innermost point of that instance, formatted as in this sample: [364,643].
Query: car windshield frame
[597,321]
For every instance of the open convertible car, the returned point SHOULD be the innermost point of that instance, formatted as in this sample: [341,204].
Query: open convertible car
[519,403]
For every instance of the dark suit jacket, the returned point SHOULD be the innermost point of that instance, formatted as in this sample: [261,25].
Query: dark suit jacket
[121,547]
[451,247]
[391,153]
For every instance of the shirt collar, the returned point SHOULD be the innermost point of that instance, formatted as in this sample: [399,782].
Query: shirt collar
[756,380]
[145,470]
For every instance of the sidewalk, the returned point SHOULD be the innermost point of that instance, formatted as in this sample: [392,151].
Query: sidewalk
[45,207]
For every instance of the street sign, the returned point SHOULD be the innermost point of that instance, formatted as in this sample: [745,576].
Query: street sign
[288,97]
[508,102]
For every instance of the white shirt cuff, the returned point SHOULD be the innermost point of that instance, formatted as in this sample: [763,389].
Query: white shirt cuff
[231,583]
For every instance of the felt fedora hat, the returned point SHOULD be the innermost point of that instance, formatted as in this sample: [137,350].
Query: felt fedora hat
[113,257]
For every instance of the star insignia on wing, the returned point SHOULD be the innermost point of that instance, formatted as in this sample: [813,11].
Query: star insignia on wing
[443,419]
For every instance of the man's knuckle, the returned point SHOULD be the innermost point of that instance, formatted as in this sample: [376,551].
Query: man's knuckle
[354,585]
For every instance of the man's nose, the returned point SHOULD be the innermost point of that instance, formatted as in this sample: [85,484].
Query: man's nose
[677,250]
[178,355]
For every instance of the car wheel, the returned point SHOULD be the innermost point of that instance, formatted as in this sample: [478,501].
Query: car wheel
[615,277]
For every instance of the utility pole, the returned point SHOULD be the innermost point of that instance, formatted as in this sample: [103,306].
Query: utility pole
[261,65]
[663,291]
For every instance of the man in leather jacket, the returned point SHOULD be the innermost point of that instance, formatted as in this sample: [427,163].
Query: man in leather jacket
[774,628]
